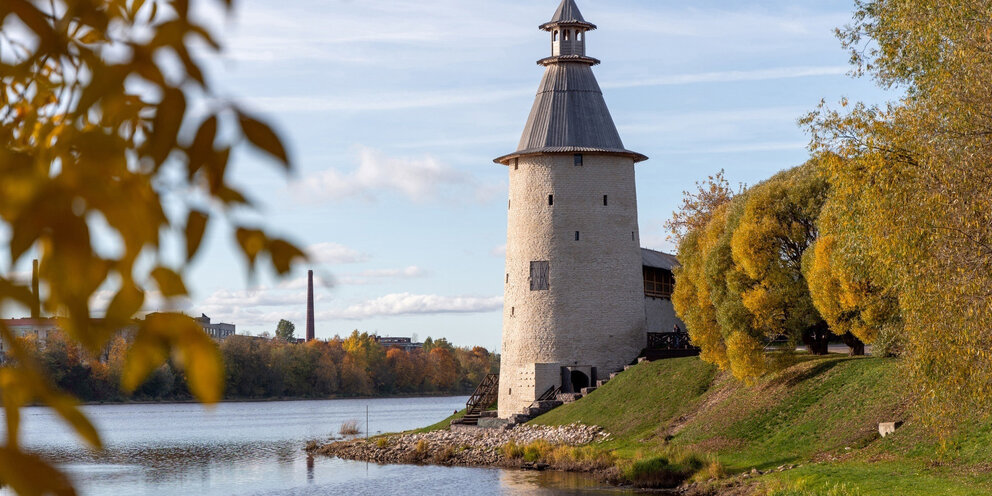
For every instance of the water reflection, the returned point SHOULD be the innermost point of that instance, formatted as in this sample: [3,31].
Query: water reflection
[256,449]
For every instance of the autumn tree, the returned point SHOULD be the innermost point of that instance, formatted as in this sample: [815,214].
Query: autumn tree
[843,289]
[95,126]
[914,187]
[691,298]
[697,207]
[778,225]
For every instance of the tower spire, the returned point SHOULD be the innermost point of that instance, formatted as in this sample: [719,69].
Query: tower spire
[569,113]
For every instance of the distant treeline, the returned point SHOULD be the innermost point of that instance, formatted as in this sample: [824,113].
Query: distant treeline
[264,368]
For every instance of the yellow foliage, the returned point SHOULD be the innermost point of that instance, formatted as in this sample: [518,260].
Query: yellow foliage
[747,357]
[78,150]
[912,202]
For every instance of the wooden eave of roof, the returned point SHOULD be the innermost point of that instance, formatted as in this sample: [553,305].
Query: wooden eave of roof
[569,150]
[559,59]
[548,26]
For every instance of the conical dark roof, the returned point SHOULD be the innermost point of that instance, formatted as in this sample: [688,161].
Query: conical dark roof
[569,114]
[567,13]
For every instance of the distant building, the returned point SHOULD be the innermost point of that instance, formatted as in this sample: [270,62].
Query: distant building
[218,331]
[40,328]
[405,344]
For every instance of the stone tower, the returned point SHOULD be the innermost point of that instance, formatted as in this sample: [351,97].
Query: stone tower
[574,296]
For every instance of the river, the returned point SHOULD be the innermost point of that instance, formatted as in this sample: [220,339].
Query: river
[257,449]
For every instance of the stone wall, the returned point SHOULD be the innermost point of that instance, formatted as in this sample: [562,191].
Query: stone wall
[593,313]
[660,315]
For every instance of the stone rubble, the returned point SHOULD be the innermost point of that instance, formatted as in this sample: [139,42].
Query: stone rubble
[477,447]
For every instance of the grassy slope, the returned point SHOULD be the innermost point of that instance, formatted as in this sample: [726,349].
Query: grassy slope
[821,413]
[440,426]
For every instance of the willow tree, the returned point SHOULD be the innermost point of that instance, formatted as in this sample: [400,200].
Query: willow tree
[96,130]
[842,286]
[917,180]
[778,225]
[691,298]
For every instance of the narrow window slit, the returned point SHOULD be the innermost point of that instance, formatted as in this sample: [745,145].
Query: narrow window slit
[551,200]
[605,202]
[576,235]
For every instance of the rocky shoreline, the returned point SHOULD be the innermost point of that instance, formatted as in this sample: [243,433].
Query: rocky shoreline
[465,447]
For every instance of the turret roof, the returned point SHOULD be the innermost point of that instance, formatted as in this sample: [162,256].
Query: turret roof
[569,114]
[567,13]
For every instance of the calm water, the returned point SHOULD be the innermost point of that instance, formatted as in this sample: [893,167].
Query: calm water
[257,449]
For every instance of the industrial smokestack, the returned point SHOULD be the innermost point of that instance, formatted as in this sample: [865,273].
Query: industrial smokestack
[310,330]
[35,295]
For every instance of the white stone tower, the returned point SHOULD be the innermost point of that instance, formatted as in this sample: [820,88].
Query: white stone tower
[574,296]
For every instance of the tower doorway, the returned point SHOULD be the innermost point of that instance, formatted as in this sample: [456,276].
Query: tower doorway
[579,380]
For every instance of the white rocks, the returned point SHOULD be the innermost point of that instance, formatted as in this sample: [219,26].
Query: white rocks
[886,428]
[463,447]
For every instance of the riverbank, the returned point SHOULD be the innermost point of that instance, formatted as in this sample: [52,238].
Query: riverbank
[808,429]
[469,447]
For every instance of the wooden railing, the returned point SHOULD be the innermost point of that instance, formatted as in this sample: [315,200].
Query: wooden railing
[485,394]
[669,341]
[550,394]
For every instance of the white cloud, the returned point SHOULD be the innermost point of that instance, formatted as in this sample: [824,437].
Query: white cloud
[418,179]
[334,253]
[357,102]
[374,276]
[732,76]
[414,304]
[498,251]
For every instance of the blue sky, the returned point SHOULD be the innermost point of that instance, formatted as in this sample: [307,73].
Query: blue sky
[394,109]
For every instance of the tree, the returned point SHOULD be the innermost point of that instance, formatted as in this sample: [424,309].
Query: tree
[778,226]
[86,135]
[285,330]
[697,208]
[913,189]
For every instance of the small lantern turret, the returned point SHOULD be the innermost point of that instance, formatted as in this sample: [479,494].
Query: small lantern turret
[568,33]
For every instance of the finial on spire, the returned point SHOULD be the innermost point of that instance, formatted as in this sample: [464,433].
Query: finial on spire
[568,15]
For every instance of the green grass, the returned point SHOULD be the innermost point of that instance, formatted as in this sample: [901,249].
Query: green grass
[440,426]
[634,404]
[821,413]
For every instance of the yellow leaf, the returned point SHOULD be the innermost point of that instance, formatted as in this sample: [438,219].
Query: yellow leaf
[90,37]
[148,352]
[165,126]
[196,225]
[30,475]
[195,352]
[283,253]
[125,303]
[169,282]
[200,358]
[67,408]
[262,136]
[252,242]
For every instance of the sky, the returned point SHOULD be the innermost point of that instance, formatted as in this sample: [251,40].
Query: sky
[393,110]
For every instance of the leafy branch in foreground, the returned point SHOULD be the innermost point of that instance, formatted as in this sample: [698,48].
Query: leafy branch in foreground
[97,128]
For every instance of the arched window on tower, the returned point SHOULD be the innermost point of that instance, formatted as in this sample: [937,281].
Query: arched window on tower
[578,36]
[566,34]
[554,35]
